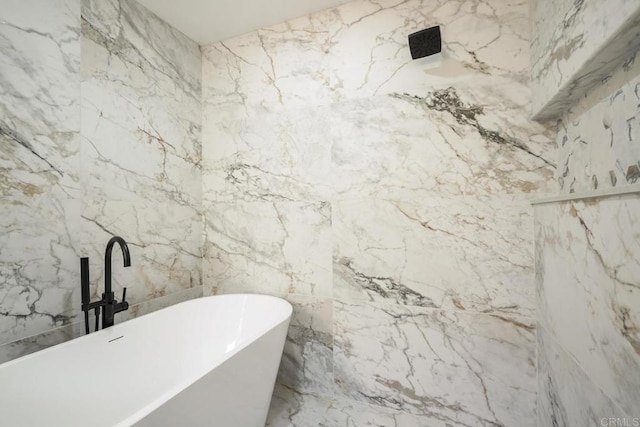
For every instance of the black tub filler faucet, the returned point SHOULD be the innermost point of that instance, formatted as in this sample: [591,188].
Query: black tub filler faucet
[109,305]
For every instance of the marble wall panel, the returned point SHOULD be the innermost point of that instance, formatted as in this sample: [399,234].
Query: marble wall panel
[140,106]
[456,141]
[599,141]
[453,140]
[39,157]
[40,97]
[165,242]
[466,253]
[426,167]
[39,272]
[460,368]
[100,129]
[588,292]
[567,396]
[359,50]
[141,148]
[307,362]
[279,248]
[274,157]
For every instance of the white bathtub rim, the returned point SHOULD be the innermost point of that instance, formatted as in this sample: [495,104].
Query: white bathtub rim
[189,379]
[108,331]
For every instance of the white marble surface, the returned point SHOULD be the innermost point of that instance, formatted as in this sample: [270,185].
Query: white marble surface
[599,138]
[462,140]
[39,157]
[279,248]
[358,50]
[329,110]
[307,362]
[457,140]
[567,397]
[460,368]
[100,129]
[274,157]
[588,291]
[467,253]
[140,106]
[165,242]
[576,45]
[283,121]
[141,147]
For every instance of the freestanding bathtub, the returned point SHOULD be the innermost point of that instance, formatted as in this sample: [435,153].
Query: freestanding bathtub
[206,362]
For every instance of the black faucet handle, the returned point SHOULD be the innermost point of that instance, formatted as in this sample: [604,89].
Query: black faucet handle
[124,305]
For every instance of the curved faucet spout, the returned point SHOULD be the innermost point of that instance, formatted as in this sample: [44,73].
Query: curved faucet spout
[111,306]
[107,260]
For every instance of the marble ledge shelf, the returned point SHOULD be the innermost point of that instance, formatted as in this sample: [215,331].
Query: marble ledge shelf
[595,194]
[609,54]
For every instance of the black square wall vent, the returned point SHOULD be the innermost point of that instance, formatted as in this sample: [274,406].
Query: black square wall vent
[426,42]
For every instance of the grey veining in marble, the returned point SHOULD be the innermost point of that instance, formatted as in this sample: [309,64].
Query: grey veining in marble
[588,274]
[307,362]
[165,241]
[406,183]
[460,368]
[140,106]
[458,140]
[100,131]
[39,157]
[279,248]
[567,397]
[451,140]
[468,253]
[276,157]
[359,50]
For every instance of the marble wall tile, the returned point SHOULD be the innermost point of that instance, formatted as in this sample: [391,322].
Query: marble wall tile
[599,139]
[278,248]
[460,368]
[567,397]
[273,157]
[462,140]
[39,112]
[359,50]
[588,292]
[165,242]
[426,166]
[453,140]
[39,157]
[575,45]
[39,269]
[467,253]
[100,129]
[140,96]
[307,362]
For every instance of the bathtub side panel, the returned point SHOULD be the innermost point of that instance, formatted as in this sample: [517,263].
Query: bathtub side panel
[236,393]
